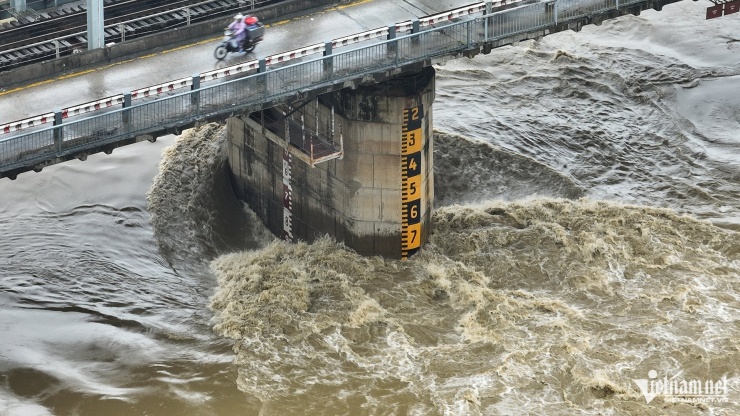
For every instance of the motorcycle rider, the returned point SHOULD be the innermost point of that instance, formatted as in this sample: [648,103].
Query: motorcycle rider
[250,22]
[239,30]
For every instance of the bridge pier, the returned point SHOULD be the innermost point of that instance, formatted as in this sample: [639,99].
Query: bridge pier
[376,198]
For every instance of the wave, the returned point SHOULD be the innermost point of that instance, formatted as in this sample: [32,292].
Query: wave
[544,303]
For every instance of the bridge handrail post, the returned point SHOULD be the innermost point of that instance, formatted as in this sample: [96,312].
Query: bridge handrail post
[469,34]
[329,61]
[392,44]
[58,133]
[486,13]
[126,113]
[262,69]
[415,28]
[195,94]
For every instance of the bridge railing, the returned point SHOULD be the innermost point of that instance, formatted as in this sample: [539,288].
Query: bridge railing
[274,84]
[118,32]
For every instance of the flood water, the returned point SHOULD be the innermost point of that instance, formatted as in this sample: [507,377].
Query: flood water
[585,238]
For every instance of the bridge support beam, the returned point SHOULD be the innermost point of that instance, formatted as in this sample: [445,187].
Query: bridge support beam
[18,5]
[95,34]
[377,199]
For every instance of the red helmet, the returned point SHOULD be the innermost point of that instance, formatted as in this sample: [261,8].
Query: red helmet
[251,20]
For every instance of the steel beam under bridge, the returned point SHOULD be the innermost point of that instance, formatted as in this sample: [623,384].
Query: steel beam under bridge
[95,34]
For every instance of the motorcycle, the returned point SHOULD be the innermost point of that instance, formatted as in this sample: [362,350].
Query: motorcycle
[229,43]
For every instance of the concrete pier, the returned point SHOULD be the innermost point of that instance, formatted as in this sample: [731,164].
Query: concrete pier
[375,196]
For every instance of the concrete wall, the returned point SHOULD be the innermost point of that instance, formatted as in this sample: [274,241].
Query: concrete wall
[130,48]
[362,199]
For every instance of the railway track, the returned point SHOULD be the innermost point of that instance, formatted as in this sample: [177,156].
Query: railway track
[50,35]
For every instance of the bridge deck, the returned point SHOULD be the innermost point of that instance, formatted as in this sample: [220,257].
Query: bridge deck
[286,77]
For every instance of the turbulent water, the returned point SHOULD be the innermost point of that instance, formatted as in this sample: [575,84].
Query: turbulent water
[585,236]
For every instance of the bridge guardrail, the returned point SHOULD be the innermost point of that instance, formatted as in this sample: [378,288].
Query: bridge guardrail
[269,86]
[168,86]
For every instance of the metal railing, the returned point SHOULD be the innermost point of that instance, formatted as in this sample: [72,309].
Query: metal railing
[120,32]
[250,67]
[280,83]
